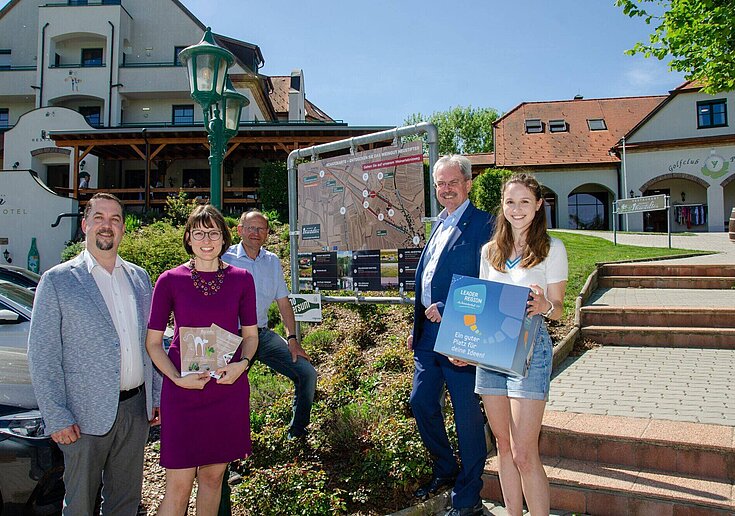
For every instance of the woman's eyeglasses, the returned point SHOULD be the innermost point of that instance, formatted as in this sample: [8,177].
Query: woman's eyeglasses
[213,235]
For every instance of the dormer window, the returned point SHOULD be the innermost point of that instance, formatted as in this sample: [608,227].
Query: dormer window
[557,126]
[534,125]
[596,124]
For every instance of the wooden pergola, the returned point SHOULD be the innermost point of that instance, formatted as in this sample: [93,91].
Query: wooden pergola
[261,141]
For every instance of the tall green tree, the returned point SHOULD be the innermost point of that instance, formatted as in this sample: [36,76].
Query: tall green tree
[698,35]
[462,130]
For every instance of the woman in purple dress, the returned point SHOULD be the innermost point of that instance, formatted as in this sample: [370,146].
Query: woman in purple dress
[204,421]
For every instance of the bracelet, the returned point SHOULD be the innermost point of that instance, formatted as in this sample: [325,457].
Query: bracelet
[249,362]
[292,336]
[550,311]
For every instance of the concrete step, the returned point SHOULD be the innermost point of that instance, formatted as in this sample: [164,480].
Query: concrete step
[684,316]
[661,269]
[673,447]
[600,489]
[663,336]
[698,282]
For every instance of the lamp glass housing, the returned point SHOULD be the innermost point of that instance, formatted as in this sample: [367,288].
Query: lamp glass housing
[207,64]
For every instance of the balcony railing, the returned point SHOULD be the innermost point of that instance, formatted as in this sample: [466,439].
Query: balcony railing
[235,197]
[77,65]
[164,64]
[17,67]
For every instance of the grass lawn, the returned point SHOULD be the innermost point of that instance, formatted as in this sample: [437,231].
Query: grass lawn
[584,252]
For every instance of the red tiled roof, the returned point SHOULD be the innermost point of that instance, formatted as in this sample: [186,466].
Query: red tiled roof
[578,145]
[279,99]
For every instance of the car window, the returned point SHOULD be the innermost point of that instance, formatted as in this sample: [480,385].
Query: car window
[19,276]
[16,294]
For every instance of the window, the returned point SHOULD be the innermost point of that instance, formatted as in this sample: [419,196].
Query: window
[92,114]
[596,124]
[177,50]
[5,58]
[4,118]
[534,125]
[557,126]
[183,115]
[91,57]
[711,113]
[588,210]
[77,2]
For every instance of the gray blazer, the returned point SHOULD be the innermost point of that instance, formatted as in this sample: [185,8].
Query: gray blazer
[74,349]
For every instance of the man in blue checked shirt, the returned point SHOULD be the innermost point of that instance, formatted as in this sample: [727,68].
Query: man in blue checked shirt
[283,356]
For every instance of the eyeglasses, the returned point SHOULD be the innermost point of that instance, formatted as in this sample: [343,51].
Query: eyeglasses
[454,183]
[213,235]
[254,229]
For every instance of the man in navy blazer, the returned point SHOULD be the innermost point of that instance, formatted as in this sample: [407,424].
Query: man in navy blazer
[453,248]
[93,379]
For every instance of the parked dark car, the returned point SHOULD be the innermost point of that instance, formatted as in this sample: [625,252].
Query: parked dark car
[19,276]
[31,465]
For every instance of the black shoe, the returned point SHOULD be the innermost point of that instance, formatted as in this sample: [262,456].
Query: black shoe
[466,511]
[433,487]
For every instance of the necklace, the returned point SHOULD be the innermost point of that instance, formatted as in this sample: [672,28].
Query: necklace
[210,287]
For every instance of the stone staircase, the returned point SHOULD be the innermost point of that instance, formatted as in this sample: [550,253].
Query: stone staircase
[670,325]
[604,465]
[642,466]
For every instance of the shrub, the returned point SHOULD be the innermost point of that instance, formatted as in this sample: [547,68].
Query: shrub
[319,343]
[274,315]
[397,456]
[156,248]
[273,189]
[346,429]
[132,222]
[178,208]
[296,488]
[485,193]
[395,358]
[71,250]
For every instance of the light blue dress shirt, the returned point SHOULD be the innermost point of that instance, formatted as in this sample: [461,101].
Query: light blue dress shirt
[267,273]
[446,226]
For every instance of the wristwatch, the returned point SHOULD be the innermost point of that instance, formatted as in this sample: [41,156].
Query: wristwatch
[292,336]
[548,312]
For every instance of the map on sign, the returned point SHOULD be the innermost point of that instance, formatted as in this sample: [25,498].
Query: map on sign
[367,200]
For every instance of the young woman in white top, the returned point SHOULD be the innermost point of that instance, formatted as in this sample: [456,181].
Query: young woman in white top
[521,252]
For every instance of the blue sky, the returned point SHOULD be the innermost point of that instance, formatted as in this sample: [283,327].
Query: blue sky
[377,62]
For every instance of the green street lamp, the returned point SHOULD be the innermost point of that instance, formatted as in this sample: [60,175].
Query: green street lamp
[207,64]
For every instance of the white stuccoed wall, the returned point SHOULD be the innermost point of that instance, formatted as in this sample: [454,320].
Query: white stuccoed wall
[27,210]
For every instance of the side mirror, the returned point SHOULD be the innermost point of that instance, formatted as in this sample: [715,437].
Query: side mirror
[9,317]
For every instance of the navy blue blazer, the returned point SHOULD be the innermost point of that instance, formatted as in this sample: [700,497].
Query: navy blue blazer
[460,256]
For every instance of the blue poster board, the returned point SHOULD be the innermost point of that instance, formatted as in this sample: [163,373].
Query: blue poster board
[484,323]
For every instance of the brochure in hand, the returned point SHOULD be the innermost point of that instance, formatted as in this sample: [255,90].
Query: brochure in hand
[206,349]
[485,323]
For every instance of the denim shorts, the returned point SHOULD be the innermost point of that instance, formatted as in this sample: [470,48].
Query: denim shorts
[535,386]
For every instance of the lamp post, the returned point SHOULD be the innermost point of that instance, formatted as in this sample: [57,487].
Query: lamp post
[207,64]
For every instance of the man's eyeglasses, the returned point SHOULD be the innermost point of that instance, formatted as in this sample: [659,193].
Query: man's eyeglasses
[454,183]
[213,235]
[254,229]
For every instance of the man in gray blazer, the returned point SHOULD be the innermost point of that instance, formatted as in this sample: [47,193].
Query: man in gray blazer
[93,379]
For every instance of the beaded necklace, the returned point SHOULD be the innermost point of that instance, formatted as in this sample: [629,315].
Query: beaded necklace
[210,287]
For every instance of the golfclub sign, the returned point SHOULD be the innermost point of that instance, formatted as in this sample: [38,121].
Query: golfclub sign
[640,204]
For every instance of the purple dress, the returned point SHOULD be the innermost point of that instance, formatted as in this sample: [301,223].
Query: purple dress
[209,426]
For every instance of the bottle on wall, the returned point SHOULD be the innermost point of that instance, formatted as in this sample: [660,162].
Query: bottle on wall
[34,261]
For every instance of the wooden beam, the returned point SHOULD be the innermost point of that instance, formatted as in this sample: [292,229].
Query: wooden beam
[159,149]
[138,151]
[231,149]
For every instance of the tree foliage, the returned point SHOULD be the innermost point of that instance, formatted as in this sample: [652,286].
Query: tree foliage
[485,193]
[462,130]
[696,34]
